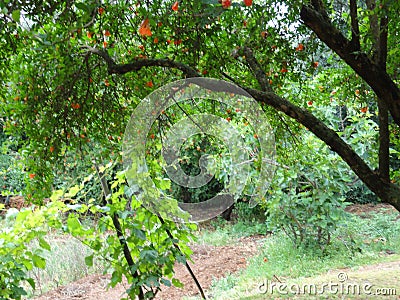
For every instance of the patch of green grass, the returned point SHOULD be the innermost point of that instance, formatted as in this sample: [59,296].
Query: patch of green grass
[226,232]
[361,241]
[64,263]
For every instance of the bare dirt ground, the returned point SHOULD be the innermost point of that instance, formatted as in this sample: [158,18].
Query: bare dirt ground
[210,263]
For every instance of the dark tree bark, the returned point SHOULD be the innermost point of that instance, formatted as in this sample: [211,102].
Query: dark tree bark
[387,191]
[376,76]
[379,32]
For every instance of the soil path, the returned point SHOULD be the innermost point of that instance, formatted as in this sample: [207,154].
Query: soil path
[209,263]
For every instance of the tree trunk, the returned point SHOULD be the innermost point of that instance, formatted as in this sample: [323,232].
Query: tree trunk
[376,76]
[388,192]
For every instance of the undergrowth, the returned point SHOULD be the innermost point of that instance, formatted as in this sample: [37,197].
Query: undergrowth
[361,240]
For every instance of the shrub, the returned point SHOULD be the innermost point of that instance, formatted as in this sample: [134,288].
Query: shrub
[306,199]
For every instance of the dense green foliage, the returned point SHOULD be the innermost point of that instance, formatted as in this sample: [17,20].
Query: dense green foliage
[71,74]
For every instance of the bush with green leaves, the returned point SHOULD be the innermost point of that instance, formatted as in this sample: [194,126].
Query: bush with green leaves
[11,175]
[196,146]
[18,230]
[135,243]
[11,167]
[306,199]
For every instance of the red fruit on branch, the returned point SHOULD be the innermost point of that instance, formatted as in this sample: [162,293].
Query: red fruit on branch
[226,3]
[144,29]
[300,47]
[248,2]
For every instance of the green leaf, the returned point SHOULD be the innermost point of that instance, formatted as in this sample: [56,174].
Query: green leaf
[149,255]
[56,195]
[16,14]
[83,7]
[44,244]
[27,264]
[116,278]
[73,191]
[140,234]
[165,282]
[177,283]
[209,1]
[181,259]
[89,260]
[31,282]
[38,261]
[73,223]
[165,184]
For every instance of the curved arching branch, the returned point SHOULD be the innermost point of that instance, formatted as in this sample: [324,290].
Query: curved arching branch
[388,192]
[137,64]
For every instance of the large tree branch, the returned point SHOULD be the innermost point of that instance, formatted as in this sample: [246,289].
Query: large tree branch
[139,63]
[372,73]
[388,192]
[384,135]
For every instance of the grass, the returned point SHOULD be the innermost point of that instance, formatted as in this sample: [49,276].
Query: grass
[223,232]
[361,241]
[64,264]
[365,240]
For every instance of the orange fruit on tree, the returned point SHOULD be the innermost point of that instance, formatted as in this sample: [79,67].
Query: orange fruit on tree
[226,3]
[300,47]
[144,28]
[248,2]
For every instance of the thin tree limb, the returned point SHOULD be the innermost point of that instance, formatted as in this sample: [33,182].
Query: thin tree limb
[118,229]
[355,30]
[138,64]
[256,68]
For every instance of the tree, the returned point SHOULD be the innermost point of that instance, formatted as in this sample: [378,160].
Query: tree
[75,69]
